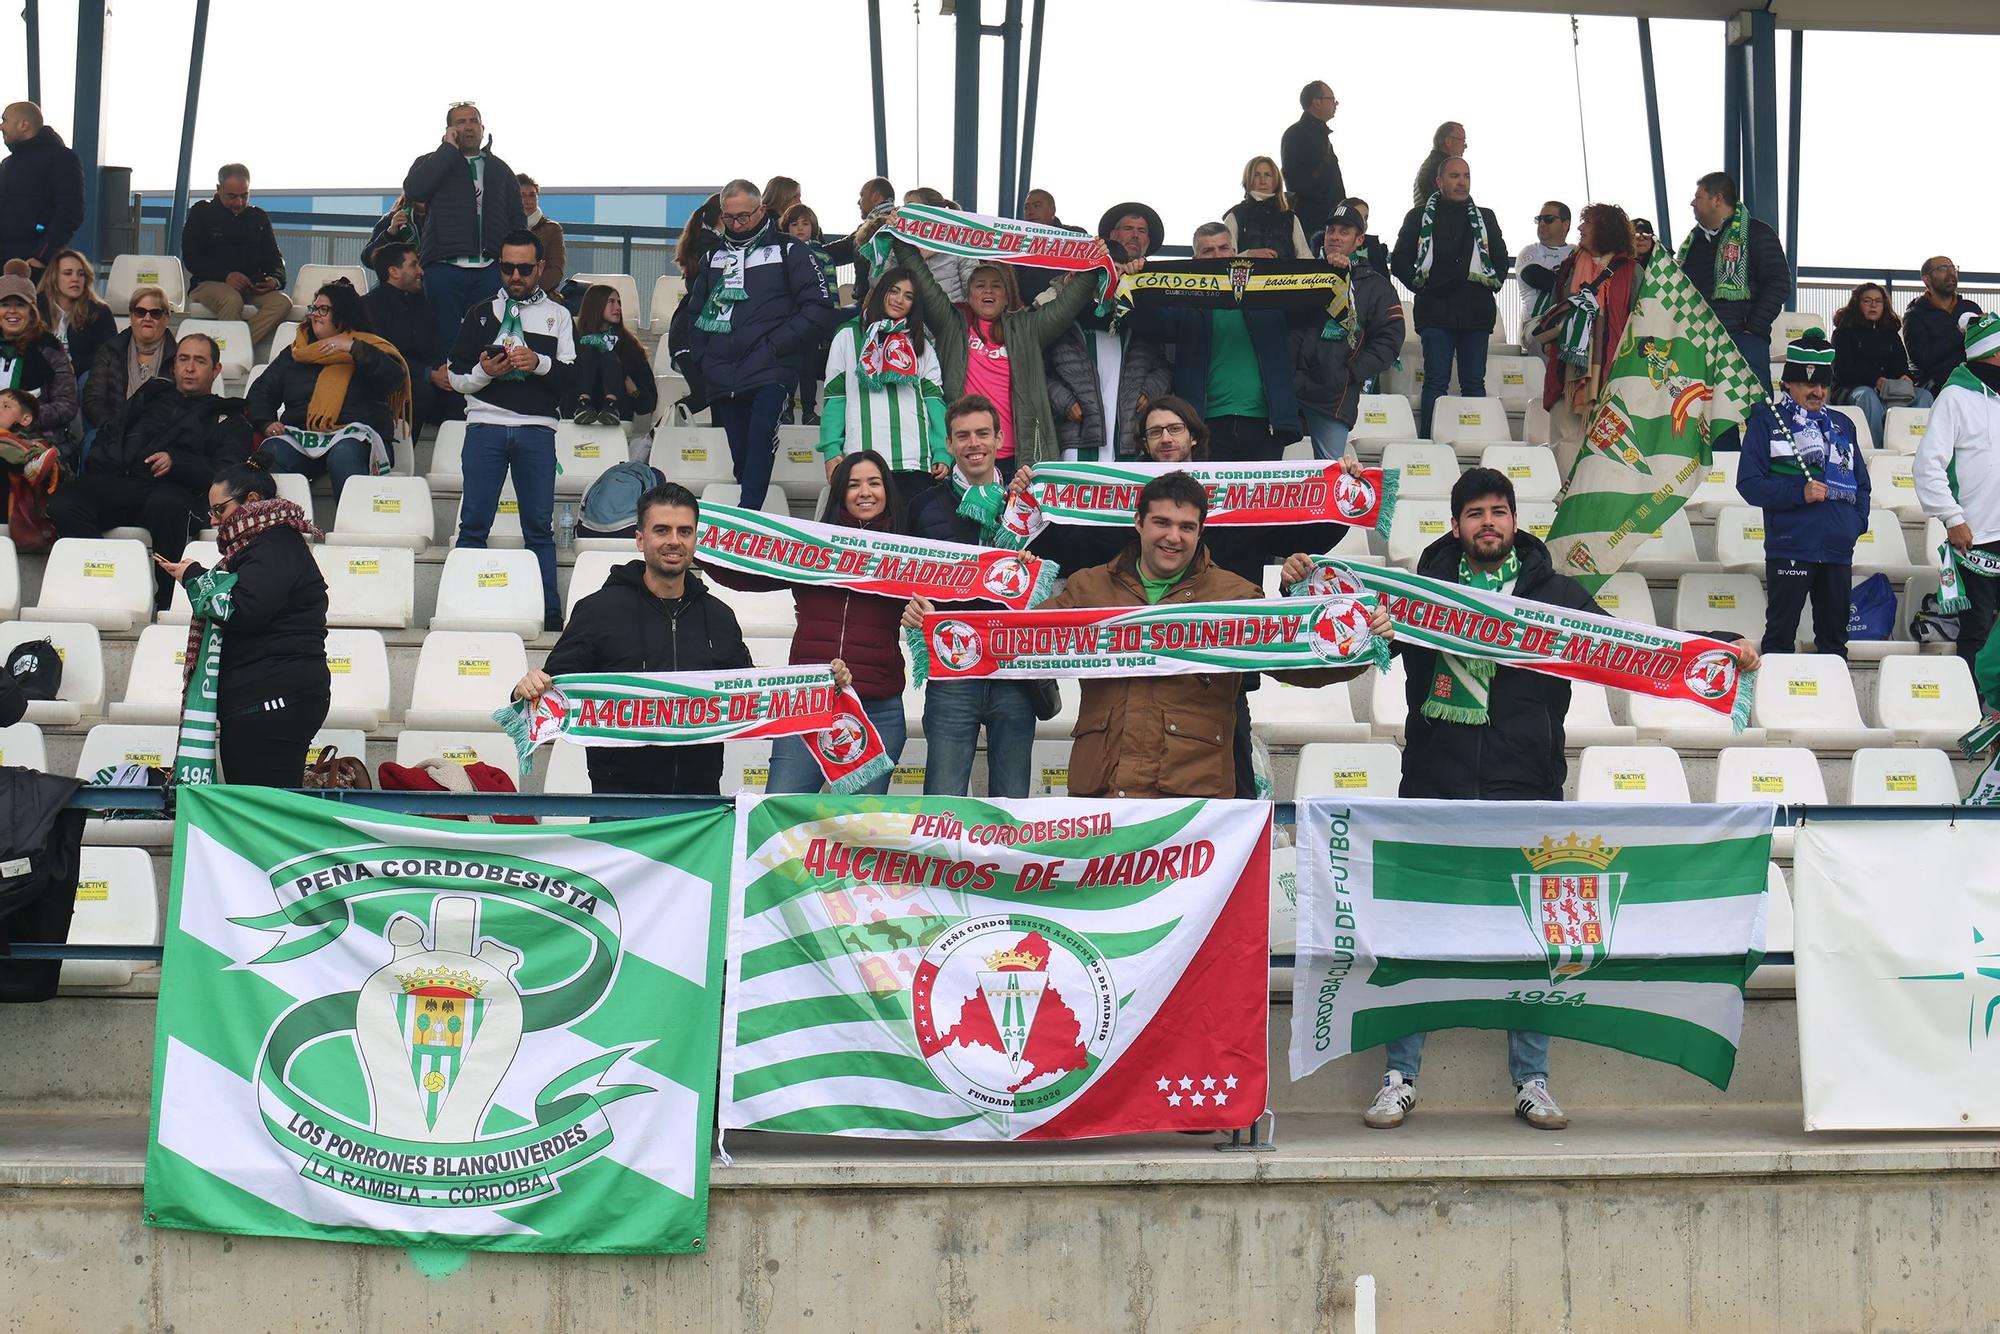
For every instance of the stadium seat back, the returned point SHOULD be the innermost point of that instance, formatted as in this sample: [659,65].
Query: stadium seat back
[1668,551]
[765,612]
[1531,468]
[490,590]
[1732,602]
[632,312]
[729,493]
[1717,489]
[1883,547]
[463,676]
[180,611]
[1641,774]
[1515,381]
[1457,418]
[448,457]
[746,765]
[1809,697]
[117,903]
[1626,596]
[384,512]
[1383,417]
[1927,698]
[1536,516]
[1418,522]
[369,586]
[23,747]
[1901,776]
[1903,429]
[357,663]
[1289,715]
[668,289]
[130,272]
[1424,469]
[232,340]
[1788,775]
[1739,539]
[586,453]
[1894,485]
[153,691]
[460,746]
[311,277]
[694,456]
[81,692]
[1859,420]
[1349,769]
[107,581]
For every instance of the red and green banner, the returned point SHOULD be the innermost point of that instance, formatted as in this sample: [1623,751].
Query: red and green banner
[799,551]
[1557,641]
[1251,635]
[1240,495]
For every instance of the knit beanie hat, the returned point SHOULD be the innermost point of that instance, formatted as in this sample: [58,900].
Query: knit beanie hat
[1809,359]
[1982,337]
[17,281]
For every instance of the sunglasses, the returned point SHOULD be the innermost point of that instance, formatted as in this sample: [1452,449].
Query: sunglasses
[1546,218]
[1642,229]
[148,313]
[519,268]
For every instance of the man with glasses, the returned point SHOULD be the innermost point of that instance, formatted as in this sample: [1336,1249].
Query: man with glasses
[511,359]
[1312,168]
[473,200]
[1537,263]
[142,352]
[1932,324]
[232,256]
[151,468]
[757,309]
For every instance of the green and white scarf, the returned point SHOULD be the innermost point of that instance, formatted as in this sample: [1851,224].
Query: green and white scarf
[981,504]
[213,602]
[1480,270]
[315,444]
[510,335]
[1462,686]
[725,290]
[1732,256]
[1951,596]
[1975,743]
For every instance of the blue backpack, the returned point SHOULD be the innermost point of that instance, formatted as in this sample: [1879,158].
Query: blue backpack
[611,505]
[1871,609]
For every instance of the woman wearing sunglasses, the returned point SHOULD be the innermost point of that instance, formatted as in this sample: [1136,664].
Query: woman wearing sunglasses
[328,404]
[142,351]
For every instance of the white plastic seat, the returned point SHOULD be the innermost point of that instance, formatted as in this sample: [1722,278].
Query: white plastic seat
[369,586]
[1884,549]
[282,337]
[729,493]
[1456,418]
[1808,699]
[1788,775]
[1427,469]
[746,765]
[798,467]
[1739,539]
[1685,725]
[1903,429]
[180,611]
[490,590]
[1894,486]
[232,341]
[768,650]
[1536,517]
[907,778]
[1859,420]
[1048,773]
[447,471]
[1669,551]
[10,580]
[1417,523]
[668,289]
[506,530]
[357,663]
[633,313]
[1926,700]
[1363,769]
[80,694]
[694,456]
[1383,417]
[593,566]
[1649,775]
[765,612]
[1589,721]
[311,277]
[1717,489]
[107,581]
[384,512]
[1289,715]
[23,747]
[1732,602]
[586,453]
[1388,705]
[1791,324]
[1531,468]
[153,692]
[1626,596]
[1515,381]
[107,746]
[1899,776]
[117,903]
[460,746]
[131,272]
[463,676]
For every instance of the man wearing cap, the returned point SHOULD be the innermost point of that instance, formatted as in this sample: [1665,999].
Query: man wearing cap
[1957,475]
[1360,338]
[1645,244]
[1803,467]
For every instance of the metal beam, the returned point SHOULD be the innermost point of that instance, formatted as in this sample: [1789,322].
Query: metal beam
[31,19]
[1792,167]
[1008,203]
[177,219]
[1660,223]
[965,118]
[1732,111]
[93,18]
[1762,195]
[875,78]
[1034,97]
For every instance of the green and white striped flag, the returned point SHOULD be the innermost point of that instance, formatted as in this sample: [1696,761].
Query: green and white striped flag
[1676,381]
[1633,927]
[384,1028]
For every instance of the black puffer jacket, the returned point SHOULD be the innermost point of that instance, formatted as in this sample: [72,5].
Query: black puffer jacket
[1518,754]
[456,227]
[1770,279]
[41,197]
[1329,372]
[784,317]
[286,387]
[1450,299]
[200,433]
[104,393]
[274,642]
[622,627]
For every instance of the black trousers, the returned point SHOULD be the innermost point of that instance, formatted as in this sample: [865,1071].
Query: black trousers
[1975,623]
[87,505]
[1243,440]
[597,376]
[266,746]
[1788,586]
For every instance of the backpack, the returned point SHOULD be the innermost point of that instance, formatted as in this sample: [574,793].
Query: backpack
[37,668]
[1871,609]
[1931,626]
[611,505]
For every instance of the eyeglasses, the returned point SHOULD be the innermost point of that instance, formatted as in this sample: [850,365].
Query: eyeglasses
[319,310]
[1946,267]
[148,313]
[740,218]
[1642,229]
[1546,218]
[519,268]
[218,510]
[1166,432]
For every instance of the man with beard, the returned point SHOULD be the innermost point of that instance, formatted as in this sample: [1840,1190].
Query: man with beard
[1479,731]
[1957,476]
[1932,324]
[757,309]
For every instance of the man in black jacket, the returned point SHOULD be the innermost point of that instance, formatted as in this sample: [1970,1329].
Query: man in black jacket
[1312,168]
[1934,324]
[966,509]
[234,266]
[472,202]
[397,309]
[154,467]
[1337,356]
[41,188]
[1516,755]
[652,615]
[1738,263]
[1454,278]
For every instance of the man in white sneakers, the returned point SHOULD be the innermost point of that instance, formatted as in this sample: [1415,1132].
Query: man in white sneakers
[1957,475]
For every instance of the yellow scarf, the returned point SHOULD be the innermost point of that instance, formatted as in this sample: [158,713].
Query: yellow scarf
[336,370]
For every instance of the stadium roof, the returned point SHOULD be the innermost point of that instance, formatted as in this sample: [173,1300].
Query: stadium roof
[1936,16]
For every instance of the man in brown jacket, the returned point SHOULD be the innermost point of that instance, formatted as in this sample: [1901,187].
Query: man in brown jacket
[1158,736]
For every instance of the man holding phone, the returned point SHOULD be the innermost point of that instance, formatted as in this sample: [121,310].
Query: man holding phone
[511,360]
[471,200]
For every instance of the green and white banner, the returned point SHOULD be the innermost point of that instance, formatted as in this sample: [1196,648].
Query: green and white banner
[390,1029]
[1632,927]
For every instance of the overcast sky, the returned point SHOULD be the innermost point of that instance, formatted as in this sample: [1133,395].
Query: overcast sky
[1161,101]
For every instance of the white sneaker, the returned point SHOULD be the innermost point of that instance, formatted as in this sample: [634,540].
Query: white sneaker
[1391,1104]
[1534,1105]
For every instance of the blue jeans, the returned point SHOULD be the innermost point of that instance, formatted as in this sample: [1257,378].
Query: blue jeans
[793,769]
[449,290]
[347,459]
[529,453]
[953,712]
[1527,1056]
[1329,434]
[750,419]
[1441,348]
[1875,410]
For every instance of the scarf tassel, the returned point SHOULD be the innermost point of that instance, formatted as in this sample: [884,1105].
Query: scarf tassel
[514,720]
[920,658]
[1392,481]
[1746,695]
[854,780]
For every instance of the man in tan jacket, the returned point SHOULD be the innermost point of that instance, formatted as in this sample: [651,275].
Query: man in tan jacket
[1159,736]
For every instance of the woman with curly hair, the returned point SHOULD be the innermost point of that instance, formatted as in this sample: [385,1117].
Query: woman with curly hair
[1594,292]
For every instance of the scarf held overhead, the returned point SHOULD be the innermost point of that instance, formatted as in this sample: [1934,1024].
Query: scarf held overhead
[703,708]
[1251,635]
[1238,283]
[1556,641]
[799,551]
[1001,240]
[1240,495]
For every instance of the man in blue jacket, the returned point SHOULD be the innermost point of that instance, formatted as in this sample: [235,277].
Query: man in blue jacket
[1803,468]
[41,188]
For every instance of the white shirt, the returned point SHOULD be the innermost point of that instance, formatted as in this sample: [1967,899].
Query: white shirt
[1963,434]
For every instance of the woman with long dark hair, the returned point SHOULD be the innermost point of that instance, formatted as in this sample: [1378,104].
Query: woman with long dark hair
[329,403]
[1871,367]
[884,389]
[614,381]
[272,686]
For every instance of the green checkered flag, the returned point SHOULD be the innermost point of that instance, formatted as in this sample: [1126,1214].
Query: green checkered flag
[1675,382]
